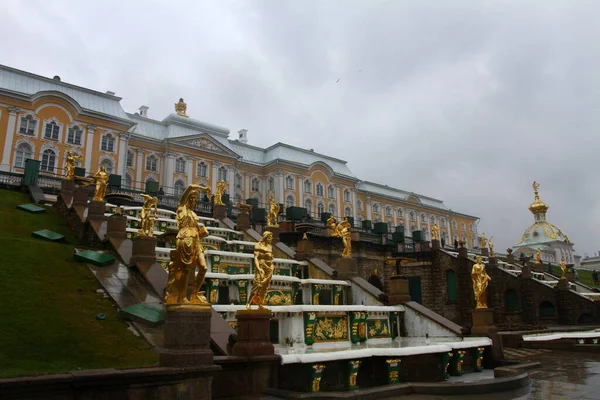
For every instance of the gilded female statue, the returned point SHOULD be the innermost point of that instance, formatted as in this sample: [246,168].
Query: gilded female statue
[491,244]
[538,256]
[484,242]
[480,283]
[70,165]
[148,215]
[101,178]
[263,271]
[342,230]
[221,186]
[273,212]
[189,253]
[563,268]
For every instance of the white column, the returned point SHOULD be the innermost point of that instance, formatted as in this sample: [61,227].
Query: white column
[89,143]
[231,179]
[247,187]
[300,186]
[215,176]
[450,233]
[122,157]
[264,184]
[138,173]
[339,195]
[279,190]
[354,208]
[368,207]
[169,169]
[189,168]
[10,134]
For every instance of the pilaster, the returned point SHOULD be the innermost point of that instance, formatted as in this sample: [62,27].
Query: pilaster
[10,134]
[169,170]
[122,156]
[138,172]
[89,144]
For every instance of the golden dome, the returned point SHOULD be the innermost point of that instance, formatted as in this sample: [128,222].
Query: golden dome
[538,206]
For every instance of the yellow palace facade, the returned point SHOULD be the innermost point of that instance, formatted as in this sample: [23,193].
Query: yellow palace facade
[43,118]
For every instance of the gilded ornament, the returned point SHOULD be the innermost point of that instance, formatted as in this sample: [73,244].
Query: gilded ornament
[263,271]
[484,242]
[563,268]
[70,165]
[327,329]
[480,283]
[189,253]
[538,256]
[435,232]
[181,108]
[491,244]
[101,179]
[342,230]
[221,186]
[148,215]
[273,213]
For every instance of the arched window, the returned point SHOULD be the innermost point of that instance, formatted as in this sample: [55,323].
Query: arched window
[471,227]
[320,210]
[346,195]
[411,215]
[27,126]
[289,201]
[453,224]
[151,163]
[23,153]
[52,130]
[255,185]
[48,161]
[223,174]
[388,211]
[413,228]
[389,224]
[180,165]
[455,237]
[271,184]
[451,291]
[376,208]
[308,205]
[150,179]
[347,212]
[201,170]
[319,189]
[178,188]
[74,136]
[307,186]
[128,182]
[464,240]
[400,213]
[462,226]
[331,209]
[129,158]
[359,204]
[238,181]
[108,165]
[423,218]
[443,222]
[511,300]
[432,220]
[331,192]
[108,143]
[289,182]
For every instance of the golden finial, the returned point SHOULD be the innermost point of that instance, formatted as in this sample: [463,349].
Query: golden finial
[538,206]
[181,108]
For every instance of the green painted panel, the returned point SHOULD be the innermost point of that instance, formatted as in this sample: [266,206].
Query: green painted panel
[451,285]
[46,234]
[378,328]
[31,208]
[144,313]
[511,298]
[414,289]
[94,257]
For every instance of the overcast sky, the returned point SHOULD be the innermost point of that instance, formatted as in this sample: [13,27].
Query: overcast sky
[465,101]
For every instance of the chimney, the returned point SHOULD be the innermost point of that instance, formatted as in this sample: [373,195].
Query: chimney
[144,111]
[243,135]
[108,92]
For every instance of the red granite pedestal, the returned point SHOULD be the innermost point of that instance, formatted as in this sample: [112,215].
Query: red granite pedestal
[143,249]
[305,249]
[243,222]
[398,289]
[347,268]
[80,196]
[116,227]
[219,212]
[275,231]
[253,334]
[67,185]
[96,210]
[483,322]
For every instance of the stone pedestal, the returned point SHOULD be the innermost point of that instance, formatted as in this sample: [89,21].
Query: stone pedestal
[116,226]
[538,267]
[96,210]
[510,258]
[347,268]
[304,249]
[563,284]
[143,249]
[243,222]
[526,272]
[485,252]
[67,185]
[570,275]
[275,231]
[80,197]
[398,290]
[219,212]
[187,336]
[253,334]
[435,244]
[483,322]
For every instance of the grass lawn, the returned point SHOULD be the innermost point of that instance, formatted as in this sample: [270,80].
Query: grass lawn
[49,303]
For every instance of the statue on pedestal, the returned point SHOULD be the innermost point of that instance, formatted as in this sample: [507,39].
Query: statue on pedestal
[70,165]
[189,253]
[148,215]
[263,271]
[101,179]
[563,268]
[435,232]
[480,283]
[491,244]
[484,242]
[538,256]
[181,108]
[221,186]
[342,230]
[273,213]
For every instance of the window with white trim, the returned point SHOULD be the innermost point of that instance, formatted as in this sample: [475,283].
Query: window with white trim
[423,218]
[108,165]
[289,182]
[471,227]
[454,225]
[238,181]
[51,131]
[74,135]
[308,205]
[223,174]
[152,163]
[411,215]
[129,158]
[320,210]
[346,195]
[180,165]
[237,198]
[443,222]
[23,153]
[178,188]
[347,212]
[400,213]
[271,184]
[462,226]
[331,192]
[255,185]
[108,143]
[319,189]
[388,211]
[27,126]
[201,170]
[389,224]
[331,209]
[128,181]
[48,161]
[307,186]
[376,208]
[358,205]
[289,201]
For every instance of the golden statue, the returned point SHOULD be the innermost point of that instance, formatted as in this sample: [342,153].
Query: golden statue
[342,230]
[101,179]
[484,241]
[273,213]
[563,268]
[536,186]
[70,165]
[189,253]
[480,283]
[491,244]
[538,256]
[263,271]
[181,108]
[567,239]
[147,216]
[435,232]
[221,186]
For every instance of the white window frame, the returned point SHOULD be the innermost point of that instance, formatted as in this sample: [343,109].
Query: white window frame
[58,125]
[319,189]
[108,136]
[222,174]
[331,192]
[347,196]
[30,119]
[130,161]
[54,166]
[307,186]
[202,170]
[149,164]
[180,164]
[289,201]
[79,130]
[108,164]
[289,182]
[178,188]
[255,185]
[23,156]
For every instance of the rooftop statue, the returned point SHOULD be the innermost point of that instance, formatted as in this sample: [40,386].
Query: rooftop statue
[263,271]
[480,283]
[189,253]
[148,214]
[70,164]
[273,213]
[181,108]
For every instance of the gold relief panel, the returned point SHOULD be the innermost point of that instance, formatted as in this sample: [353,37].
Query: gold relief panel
[331,328]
